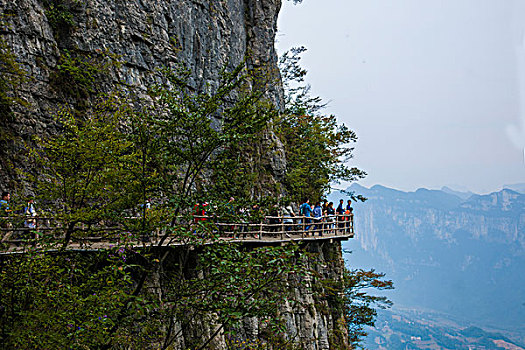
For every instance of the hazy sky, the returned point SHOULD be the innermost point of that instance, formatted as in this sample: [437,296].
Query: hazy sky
[435,89]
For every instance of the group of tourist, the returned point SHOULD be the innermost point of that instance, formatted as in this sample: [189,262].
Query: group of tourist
[320,218]
[324,216]
[317,219]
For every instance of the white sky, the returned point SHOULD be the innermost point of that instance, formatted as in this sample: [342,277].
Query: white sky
[435,89]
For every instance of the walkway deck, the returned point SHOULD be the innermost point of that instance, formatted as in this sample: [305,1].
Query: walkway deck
[270,231]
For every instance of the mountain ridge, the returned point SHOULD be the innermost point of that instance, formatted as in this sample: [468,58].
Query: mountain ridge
[463,257]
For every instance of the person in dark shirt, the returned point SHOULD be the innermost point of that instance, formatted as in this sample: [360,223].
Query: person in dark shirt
[340,215]
[4,204]
[349,208]
[325,206]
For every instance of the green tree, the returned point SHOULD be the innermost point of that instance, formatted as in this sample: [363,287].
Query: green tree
[197,129]
[66,300]
[317,153]
[85,172]
[318,148]
[237,283]
[361,307]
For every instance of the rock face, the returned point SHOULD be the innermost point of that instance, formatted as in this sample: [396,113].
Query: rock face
[204,36]
[312,321]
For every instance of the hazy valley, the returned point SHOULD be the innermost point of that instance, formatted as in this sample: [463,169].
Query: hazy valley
[456,254]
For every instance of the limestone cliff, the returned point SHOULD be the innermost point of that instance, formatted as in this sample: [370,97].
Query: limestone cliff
[314,320]
[204,36]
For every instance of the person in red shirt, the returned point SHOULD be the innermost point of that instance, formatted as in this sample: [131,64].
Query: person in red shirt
[199,211]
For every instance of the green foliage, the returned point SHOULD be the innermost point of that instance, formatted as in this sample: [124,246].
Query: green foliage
[85,170]
[242,172]
[196,130]
[79,75]
[236,283]
[62,301]
[317,146]
[60,16]
[317,152]
[361,306]
[298,100]
[68,300]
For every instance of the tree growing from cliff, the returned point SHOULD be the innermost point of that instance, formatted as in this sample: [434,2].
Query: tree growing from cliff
[318,146]
[360,305]
[87,171]
[198,129]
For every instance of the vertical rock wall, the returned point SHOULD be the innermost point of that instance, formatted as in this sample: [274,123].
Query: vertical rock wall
[314,320]
[318,325]
[204,36]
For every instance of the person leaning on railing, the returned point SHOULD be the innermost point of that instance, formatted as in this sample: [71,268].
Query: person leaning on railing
[199,211]
[349,210]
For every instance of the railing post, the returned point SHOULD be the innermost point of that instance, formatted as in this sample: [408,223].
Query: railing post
[260,229]
[303,231]
[282,228]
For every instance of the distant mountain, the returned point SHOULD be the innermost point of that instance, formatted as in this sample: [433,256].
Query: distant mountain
[516,187]
[462,195]
[445,252]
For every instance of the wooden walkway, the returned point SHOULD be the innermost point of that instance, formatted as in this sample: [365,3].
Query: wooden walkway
[272,230]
